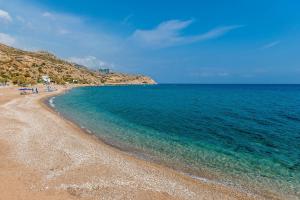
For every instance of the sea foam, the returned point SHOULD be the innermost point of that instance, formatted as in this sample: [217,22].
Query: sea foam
[51,102]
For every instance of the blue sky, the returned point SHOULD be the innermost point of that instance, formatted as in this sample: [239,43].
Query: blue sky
[222,41]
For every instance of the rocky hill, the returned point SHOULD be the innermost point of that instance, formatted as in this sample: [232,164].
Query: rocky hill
[24,67]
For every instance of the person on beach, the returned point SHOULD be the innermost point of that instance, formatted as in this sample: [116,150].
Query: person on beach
[36,91]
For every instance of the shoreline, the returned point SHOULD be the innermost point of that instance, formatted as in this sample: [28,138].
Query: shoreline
[202,179]
[47,102]
[147,174]
[51,107]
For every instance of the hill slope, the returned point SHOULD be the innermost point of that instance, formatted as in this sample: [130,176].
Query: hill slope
[24,67]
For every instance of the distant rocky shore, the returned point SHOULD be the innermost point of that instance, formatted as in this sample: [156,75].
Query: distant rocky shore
[24,67]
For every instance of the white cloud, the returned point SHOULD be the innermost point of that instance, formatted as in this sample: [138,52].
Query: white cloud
[48,15]
[214,33]
[65,34]
[90,62]
[270,45]
[7,39]
[168,34]
[62,17]
[5,16]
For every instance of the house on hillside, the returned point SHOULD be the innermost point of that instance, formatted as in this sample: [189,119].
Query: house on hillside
[46,79]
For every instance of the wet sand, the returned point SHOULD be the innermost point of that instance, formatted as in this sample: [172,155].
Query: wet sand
[44,156]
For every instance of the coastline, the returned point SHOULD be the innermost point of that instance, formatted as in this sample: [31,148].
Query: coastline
[84,167]
[47,102]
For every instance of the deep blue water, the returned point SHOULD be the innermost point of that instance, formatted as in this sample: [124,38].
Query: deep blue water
[247,136]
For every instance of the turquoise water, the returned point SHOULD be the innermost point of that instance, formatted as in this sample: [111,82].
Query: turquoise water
[245,136]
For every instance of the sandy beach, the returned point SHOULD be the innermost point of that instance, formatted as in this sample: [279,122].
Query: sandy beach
[44,156]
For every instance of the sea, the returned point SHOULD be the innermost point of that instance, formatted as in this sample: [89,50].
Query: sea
[241,136]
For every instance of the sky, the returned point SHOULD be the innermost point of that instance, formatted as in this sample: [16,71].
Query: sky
[191,41]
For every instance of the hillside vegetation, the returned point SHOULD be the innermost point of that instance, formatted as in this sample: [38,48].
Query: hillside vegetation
[24,67]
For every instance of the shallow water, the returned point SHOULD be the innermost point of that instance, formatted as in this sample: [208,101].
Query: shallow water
[247,136]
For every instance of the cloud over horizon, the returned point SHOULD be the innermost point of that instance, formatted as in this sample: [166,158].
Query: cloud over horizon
[169,33]
[65,34]
[91,62]
[5,16]
[7,39]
